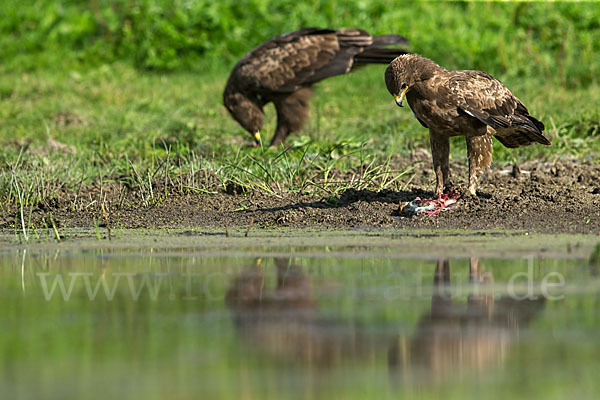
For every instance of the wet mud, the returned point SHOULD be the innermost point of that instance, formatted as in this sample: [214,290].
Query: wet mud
[548,197]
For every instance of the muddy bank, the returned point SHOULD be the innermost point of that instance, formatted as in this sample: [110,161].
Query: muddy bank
[561,196]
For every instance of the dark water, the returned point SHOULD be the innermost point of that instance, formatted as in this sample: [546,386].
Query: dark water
[177,324]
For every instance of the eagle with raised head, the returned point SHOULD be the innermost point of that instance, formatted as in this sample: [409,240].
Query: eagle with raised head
[468,103]
[283,69]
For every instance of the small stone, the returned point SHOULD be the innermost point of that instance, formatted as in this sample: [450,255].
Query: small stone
[516,171]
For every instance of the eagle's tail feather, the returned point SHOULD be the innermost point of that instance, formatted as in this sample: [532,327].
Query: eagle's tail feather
[377,55]
[513,141]
[538,124]
[519,130]
[513,138]
[390,40]
[538,137]
[531,128]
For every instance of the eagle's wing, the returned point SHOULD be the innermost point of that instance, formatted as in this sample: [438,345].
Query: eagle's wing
[489,101]
[287,62]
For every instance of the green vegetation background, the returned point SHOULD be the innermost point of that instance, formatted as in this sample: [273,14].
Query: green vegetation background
[133,85]
[558,41]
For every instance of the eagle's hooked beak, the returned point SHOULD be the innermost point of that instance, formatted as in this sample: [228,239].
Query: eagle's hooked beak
[257,138]
[400,98]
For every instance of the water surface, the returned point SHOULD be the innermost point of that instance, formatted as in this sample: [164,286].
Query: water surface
[343,321]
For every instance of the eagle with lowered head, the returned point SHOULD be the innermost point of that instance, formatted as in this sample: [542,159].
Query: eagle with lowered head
[283,69]
[468,103]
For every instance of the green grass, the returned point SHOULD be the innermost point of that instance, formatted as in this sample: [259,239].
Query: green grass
[152,129]
[142,128]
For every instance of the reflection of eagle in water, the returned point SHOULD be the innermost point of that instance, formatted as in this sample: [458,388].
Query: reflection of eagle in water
[283,320]
[454,337]
[468,103]
[282,70]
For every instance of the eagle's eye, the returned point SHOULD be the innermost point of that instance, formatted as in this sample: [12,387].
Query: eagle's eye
[404,85]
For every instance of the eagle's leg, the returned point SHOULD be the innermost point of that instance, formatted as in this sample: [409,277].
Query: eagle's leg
[479,151]
[440,152]
[281,133]
[292,113]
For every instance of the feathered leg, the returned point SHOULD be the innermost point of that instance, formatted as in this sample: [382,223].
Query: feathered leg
[292,113]
[440,152]
[479,151]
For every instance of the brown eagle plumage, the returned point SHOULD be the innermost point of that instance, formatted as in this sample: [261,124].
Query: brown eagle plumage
[468,103]
[283,69]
